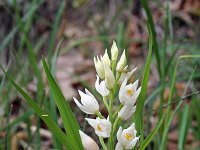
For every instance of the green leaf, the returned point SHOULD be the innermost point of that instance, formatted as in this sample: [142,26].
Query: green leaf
[141,99]
[66,140]
[169,116]
[153,32]
[55,28]
[19,119]
[151,135]
[183,128]
[70,124]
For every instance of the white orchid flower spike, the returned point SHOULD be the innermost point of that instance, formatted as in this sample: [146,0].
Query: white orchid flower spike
[89,103]
[101,88]
[128,94]
[102,127]
[127,138]
[88,142]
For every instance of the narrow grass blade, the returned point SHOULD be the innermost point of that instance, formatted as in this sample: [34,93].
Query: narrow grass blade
[195,108]
[71,126]
[12,33]
[19,119]
[55,28]
[32,55]
[183,128]
[52,105]
[151,135]
[169,117]
[151,25]
[167,125]
[66,140]
[141,99]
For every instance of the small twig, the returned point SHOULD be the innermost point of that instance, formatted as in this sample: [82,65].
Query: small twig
[183,98]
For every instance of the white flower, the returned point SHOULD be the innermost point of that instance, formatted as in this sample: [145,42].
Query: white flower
[126,74]
[122,62]
[126,112]
[128,94]
[105,59]
[114,52]
[127,138]
[89,103]
[99,65]
[109,77]
[101,88]
[88,142]
[102,127]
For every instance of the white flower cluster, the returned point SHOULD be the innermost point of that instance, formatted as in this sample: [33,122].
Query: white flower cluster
[111,74]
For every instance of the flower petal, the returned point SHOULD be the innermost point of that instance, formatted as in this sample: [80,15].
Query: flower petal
[121,90]
[132,144]
[129,74]
[126,112]
[118,146]
[88,142]
[135,84]
[85,110]
[93,122]
[119,134]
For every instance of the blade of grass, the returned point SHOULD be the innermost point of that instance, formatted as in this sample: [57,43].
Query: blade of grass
[19,119]
[183,128]
[32,57]
[168,118]
[151,25]
[12,33]
[141,99]
[145,143]
[8,134]
[53,111]
[195,108]
[185,117]
[167,125]
[66,140]
[82,41]
[70,124]
[55,28]
[26,27]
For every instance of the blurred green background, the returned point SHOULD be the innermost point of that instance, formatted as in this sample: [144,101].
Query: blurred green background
[69,34]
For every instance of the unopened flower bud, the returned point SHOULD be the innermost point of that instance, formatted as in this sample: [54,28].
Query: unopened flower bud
[109,77]
[122,62]
[114,52]
[88,142]
[99,67]
[105,59]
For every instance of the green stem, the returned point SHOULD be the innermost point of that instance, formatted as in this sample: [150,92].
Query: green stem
[103,143]
[111,142]
[99,115]
[115,124]
[117,110]
[105,102]
[114,66]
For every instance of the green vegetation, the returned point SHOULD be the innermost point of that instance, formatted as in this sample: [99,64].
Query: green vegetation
[169,73]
